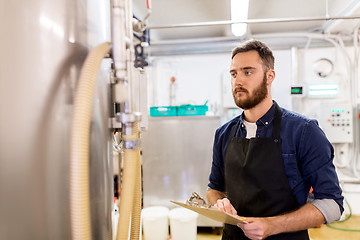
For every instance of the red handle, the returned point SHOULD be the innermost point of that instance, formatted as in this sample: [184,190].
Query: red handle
[148,4]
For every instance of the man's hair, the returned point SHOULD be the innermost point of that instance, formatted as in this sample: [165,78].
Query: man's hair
[263,50]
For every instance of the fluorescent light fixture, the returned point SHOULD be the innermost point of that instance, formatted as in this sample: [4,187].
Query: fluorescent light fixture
[323,90]
[239,12]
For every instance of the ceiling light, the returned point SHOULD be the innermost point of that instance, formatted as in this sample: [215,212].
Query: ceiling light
[239,12]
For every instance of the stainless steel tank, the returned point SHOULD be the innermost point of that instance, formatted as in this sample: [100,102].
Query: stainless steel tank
[42,48]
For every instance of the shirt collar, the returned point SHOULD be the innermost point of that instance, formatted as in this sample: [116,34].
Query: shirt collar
[265,120]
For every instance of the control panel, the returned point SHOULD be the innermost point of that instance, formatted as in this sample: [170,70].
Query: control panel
[337,122]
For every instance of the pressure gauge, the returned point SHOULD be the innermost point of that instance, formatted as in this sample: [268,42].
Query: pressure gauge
[323,67]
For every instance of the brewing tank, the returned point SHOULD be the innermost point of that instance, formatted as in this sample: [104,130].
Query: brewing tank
[42,49]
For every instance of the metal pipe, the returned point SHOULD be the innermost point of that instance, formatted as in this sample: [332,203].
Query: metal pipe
[131,181]
[253,21]
[354,94]
[357,91]
[225,44]
[119,39]
[327,8]
[350,182]
[130,55]
[294,65]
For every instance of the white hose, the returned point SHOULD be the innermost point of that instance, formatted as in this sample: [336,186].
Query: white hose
[136,210]
[129,208]
[79,148]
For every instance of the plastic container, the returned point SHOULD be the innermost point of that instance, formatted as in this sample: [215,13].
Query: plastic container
[183,224]
[165,111]
[155,223]
[192,110]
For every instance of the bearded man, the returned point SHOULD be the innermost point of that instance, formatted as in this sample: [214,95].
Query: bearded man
[266,159]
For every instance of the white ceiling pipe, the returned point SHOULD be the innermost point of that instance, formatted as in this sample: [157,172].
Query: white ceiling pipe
[253,21]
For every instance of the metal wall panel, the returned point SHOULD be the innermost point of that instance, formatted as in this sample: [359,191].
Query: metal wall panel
[43,46]
[177,156]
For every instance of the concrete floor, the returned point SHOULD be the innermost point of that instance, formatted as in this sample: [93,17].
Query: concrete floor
[321,233]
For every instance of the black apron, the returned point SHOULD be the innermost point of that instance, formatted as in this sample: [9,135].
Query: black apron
[256,182]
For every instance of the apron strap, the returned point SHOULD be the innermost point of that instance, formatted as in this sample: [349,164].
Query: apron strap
[277,122]
[234,130]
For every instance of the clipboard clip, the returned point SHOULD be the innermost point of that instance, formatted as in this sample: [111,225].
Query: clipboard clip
[196,200]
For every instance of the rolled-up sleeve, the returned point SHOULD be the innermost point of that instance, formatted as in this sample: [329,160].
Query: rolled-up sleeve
[329,209]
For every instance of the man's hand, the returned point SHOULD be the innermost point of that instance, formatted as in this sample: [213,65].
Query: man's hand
[225,206]
[256,228]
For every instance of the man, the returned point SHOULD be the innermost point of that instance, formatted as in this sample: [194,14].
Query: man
[266,160]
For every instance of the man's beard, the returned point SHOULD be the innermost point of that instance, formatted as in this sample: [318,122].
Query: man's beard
[259,94]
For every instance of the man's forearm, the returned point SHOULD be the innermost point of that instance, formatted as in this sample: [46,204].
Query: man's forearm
[305,217]
[214,195]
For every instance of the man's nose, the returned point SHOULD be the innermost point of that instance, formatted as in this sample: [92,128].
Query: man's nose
[238,80]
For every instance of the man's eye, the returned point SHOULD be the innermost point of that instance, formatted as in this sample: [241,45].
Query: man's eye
[247,73]
[233,75]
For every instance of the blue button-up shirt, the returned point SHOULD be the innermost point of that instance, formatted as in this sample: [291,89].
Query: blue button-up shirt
[307,154]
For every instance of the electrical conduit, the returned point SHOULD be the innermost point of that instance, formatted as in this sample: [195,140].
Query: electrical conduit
[79,148]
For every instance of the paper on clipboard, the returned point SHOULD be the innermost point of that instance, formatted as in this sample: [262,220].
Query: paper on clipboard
[213,213]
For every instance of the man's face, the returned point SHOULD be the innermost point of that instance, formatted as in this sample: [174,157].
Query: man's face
[248,80]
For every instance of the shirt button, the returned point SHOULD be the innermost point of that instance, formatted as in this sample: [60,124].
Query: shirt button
[242,125]
[266,123]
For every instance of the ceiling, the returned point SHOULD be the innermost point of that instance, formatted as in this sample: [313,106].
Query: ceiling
[171,12]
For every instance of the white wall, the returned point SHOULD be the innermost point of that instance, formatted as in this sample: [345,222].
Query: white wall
[199,78]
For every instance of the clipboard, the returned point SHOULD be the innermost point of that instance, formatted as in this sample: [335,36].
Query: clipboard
[213,213]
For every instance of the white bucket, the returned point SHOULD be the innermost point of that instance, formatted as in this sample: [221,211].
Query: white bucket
[183,224]
[155,223]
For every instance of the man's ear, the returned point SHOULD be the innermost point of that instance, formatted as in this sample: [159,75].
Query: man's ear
[270,76]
